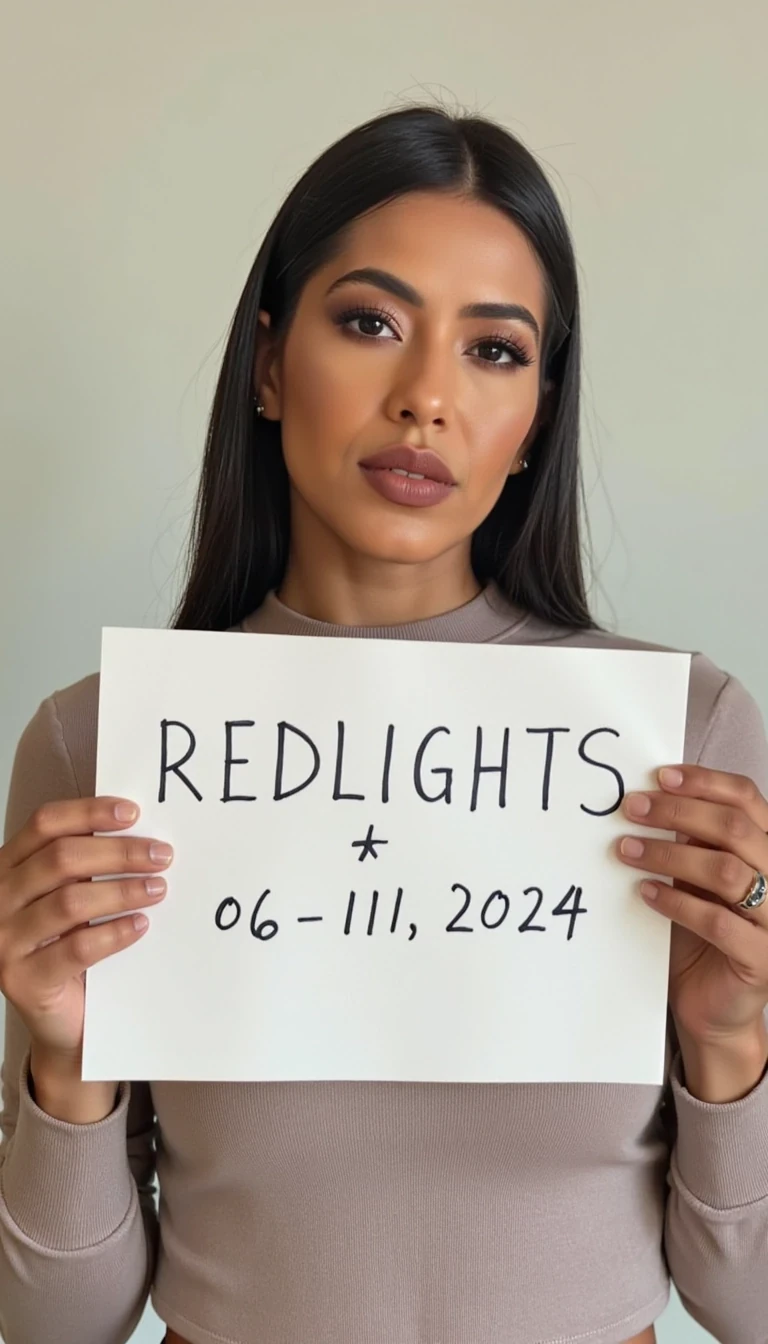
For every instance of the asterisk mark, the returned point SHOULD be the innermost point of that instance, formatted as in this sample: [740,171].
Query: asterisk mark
[368,845]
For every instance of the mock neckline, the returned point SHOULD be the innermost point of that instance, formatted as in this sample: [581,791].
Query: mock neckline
[485,618]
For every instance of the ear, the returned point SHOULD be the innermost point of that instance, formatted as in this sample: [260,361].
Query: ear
[541,418]
[267,381]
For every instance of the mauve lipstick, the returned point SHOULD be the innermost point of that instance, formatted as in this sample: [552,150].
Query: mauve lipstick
[405,475]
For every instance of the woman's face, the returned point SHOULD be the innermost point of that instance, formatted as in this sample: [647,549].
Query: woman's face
[422,333]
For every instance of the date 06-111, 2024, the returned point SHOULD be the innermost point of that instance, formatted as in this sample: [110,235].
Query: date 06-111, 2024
[493,914]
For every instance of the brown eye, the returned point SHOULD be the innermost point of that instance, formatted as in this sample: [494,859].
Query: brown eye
[496,353]
[369,325]
[370,322]
[504,353]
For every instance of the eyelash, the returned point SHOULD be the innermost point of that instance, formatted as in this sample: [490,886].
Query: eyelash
[520,357]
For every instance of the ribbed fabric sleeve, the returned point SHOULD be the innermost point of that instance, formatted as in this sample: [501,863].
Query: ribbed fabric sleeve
[716,1235]
[721,1156]
[86,1166]
[77,1242]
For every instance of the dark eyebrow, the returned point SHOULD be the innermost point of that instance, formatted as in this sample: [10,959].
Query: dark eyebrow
[371,275]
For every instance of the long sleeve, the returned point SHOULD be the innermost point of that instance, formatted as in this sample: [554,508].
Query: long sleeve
[78,1227]
[716,1235]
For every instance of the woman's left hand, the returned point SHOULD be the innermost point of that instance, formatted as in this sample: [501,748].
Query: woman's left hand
[718,985]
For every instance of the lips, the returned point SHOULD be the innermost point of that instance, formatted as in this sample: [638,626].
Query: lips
[411,477]
[411,464]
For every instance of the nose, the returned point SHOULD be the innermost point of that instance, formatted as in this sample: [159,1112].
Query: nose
[423,389]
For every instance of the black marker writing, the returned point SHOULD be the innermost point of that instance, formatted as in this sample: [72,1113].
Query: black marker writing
[282,729]
[548,763]
[387,763]
[447,773]
[368,845]
[493,913]
[391,761]
[337,793]
[481,769]
[175,767]
[601,765]
[230,760]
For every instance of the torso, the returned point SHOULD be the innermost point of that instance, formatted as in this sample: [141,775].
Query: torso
[645,1337]
[300,1154]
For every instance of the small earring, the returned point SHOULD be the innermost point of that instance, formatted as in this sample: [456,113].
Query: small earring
[525,464]
[260,408]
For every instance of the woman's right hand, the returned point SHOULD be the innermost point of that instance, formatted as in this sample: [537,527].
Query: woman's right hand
[47,900]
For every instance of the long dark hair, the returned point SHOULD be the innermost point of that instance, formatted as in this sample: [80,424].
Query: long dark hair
[530,544]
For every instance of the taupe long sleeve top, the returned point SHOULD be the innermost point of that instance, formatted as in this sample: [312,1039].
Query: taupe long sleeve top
[383,1213]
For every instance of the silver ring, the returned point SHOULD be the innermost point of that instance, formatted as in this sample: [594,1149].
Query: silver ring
[756,895]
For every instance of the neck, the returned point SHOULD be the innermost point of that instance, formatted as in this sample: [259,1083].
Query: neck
[345,589]
[388,599]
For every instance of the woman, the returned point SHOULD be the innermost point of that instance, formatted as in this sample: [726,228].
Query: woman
[392,449]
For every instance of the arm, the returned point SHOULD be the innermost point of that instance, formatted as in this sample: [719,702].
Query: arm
[78,1227]
[716,1235]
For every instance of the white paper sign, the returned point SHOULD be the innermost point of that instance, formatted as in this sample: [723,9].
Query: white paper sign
[393,860]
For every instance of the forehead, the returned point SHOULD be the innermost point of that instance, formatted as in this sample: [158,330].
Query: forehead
[448,247]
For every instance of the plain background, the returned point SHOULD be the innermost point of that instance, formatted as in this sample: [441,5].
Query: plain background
[146,148]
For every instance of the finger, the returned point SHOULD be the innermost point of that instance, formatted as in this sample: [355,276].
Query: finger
[74,858]
[72,816]
[718,824]
[82,948]
[717,786]
[59,913]
[715,870]
[736,938]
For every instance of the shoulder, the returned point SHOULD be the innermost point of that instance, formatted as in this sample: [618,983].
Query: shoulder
[725,729]
[56,754]
[76,708]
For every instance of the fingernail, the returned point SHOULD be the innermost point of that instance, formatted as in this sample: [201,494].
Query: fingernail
[140,923]
[126,812]
[154,886]
[638,804]
[160,853]
[649,891]
[672,778]
[632,848]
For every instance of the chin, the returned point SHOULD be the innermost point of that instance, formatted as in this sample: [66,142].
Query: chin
[401,543]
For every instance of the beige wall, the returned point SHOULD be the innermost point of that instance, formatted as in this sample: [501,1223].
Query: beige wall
[146,147]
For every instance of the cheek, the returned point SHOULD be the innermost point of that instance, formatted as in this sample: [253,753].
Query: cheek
[500,432]
[308,394]
[323,407]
